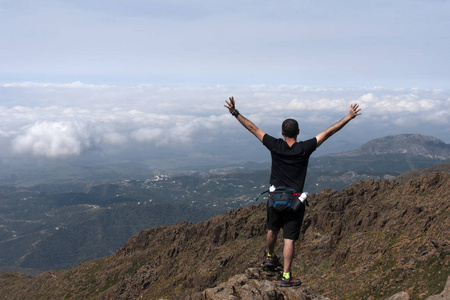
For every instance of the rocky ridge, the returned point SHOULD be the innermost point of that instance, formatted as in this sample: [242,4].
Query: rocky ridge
[373,240]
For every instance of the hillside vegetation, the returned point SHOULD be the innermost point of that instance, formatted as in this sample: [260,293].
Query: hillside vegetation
[374,238]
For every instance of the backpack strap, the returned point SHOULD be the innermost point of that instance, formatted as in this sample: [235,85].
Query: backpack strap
[280,188]
[266,191]
[284,188]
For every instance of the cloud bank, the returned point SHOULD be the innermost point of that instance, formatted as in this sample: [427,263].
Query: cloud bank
[53,139]
[66,120]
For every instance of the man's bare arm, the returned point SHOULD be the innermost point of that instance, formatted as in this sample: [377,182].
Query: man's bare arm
[322,137]
[231,105]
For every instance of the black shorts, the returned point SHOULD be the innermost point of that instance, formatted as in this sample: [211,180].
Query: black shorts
[291,221]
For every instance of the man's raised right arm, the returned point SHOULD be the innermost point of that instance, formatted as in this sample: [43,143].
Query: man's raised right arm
[322,137]
[231,105]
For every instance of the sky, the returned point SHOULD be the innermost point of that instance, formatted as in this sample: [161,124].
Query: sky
[148,79]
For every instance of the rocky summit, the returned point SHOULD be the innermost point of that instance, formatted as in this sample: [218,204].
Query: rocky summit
[376,239]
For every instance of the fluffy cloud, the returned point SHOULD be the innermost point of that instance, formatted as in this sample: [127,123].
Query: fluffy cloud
[53,139]
[53,120]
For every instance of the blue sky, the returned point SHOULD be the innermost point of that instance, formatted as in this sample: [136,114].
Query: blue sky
[83,76]
[319,43]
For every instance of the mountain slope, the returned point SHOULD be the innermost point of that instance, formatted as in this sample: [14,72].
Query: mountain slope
[386,157]
[441,168]
[411,144]
[374,238]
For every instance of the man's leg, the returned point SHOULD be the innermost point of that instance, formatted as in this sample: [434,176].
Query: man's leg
[272,260]
[271,240]
[291,233]
[288,253]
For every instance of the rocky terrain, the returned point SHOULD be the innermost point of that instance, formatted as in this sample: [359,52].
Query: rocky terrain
[373,240]
[257,284]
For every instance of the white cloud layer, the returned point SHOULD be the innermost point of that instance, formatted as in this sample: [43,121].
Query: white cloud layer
[61,120]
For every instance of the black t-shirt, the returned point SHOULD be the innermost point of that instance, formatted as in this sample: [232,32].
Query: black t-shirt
[289,164]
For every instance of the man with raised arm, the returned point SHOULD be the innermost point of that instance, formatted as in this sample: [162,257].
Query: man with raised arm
[289,165]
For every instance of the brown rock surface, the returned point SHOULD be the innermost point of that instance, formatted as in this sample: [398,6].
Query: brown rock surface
[258,284]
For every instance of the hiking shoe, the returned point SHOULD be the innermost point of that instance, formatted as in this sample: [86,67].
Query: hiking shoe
[291,281]
[272,262]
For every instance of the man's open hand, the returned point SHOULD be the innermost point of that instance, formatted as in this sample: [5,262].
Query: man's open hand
[354,110]
[231,105]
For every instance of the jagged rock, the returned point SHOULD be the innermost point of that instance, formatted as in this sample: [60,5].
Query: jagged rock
[256,283]
[399,296]
[445,293]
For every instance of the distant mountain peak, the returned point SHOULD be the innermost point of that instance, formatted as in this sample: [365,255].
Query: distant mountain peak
[410,144]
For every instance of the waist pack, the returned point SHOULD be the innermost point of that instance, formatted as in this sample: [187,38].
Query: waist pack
[284,199]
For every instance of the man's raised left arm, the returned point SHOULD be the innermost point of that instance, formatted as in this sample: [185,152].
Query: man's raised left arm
[354,111]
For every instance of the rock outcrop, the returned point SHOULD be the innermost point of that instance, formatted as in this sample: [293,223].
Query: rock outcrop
[445,293]
[258,284]
[442,296]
